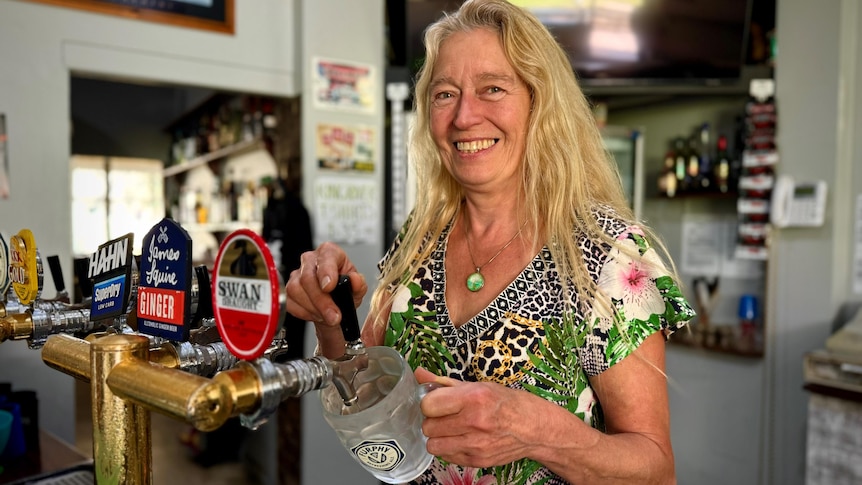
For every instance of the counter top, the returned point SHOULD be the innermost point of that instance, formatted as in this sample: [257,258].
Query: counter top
[53,456]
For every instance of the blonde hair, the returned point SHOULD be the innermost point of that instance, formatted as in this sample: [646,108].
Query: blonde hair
[566,173]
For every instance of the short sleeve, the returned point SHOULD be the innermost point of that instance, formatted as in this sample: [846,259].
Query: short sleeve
[644,299]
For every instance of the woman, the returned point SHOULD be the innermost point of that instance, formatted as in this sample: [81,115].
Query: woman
[521,280]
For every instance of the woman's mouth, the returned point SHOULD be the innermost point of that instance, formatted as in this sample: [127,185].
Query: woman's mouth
[474,146]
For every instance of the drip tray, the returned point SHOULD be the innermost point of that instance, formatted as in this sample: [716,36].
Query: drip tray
[78,475]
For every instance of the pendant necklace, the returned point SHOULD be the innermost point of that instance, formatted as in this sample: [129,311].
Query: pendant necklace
[476,281]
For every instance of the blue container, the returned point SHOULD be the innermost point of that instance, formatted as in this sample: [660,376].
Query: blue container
[748,308]
[17,445]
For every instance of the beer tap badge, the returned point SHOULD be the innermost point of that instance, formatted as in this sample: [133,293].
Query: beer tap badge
[4,268]
[110,271]
[165,282]
[23,267]
[245,294]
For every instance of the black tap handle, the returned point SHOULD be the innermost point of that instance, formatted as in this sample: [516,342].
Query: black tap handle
[342,295]
[82,281]
[205,294]
[57,273]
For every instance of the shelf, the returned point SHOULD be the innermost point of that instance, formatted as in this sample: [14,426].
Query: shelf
[235,149]
[224,226]
[699,195]
[695,339]
[628,94]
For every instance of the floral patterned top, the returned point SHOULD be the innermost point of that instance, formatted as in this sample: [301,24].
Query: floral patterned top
[529,339]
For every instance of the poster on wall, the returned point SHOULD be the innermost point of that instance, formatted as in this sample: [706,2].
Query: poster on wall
[345,147]
[347,209]
[708,249]
[343,85]
[212,15]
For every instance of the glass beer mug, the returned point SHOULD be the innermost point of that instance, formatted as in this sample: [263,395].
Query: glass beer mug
[382,429]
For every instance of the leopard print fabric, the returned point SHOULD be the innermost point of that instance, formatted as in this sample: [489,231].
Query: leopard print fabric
[500,343]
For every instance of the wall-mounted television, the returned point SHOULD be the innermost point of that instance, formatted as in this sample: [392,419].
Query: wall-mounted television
[649,41]
[633,42]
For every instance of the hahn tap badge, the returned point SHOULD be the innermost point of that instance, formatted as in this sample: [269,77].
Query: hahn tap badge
[165,282]
[23,266]
[245,294]
[4,268]
[110,270]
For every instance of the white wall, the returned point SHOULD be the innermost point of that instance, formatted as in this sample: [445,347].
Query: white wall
[350,31]
[810,270]
[40,46]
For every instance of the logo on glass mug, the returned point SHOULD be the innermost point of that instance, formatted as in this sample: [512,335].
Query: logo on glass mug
[383,455]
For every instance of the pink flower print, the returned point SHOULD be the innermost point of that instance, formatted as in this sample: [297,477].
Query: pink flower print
[632,280]
[452,476]
[631,230]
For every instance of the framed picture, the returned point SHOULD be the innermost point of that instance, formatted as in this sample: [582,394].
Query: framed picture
[213,15]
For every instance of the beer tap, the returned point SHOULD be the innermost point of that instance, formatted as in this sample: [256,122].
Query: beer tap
[355,359]
[35,319]
[11,304]
[37,324]
[297,377]
[204,354]
[128,377]
[59,282]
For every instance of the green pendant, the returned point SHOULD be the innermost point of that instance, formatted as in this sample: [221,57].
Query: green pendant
[475,281]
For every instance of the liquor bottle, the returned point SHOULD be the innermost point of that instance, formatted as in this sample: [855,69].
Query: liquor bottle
[692,171]
[667,178]
[722,165]
[247,120]
[679,163]
[706,160]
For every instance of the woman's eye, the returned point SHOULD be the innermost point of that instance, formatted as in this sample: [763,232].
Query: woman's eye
[443,97]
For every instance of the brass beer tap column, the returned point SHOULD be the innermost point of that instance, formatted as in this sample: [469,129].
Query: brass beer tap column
[129,376]
[122,438]
[126,386]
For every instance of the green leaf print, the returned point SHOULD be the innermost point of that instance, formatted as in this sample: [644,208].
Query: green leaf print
[556,369]
[641,242]
[414,334]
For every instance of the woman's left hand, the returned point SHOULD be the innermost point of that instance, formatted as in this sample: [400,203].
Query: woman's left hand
[476,424]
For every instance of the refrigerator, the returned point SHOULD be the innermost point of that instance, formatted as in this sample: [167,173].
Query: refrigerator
[626,146]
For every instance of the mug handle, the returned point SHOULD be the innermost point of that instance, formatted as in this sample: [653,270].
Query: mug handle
[427,387]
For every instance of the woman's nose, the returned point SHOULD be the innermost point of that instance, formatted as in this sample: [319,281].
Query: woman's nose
[468,113]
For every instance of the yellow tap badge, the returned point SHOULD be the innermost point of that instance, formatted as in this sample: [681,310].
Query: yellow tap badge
[22,266]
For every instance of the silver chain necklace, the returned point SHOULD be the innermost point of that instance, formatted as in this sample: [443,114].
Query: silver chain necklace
[476,281]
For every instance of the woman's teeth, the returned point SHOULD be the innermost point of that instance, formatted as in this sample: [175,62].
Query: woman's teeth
[474,146]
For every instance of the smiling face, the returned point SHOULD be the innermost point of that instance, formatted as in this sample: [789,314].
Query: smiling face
[479,112]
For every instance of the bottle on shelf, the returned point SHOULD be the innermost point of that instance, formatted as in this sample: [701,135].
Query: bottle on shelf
[722,165]
[680,163]
[201,210]
[692,171]
[704,176]
[667,176]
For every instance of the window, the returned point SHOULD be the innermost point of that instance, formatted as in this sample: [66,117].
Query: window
[112,197]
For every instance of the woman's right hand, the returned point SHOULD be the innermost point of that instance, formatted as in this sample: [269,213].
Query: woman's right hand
[308,291]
